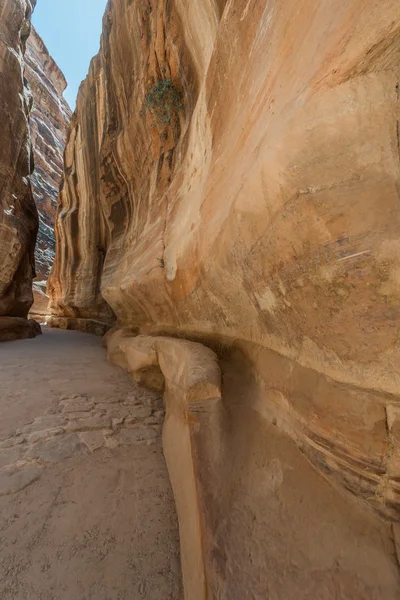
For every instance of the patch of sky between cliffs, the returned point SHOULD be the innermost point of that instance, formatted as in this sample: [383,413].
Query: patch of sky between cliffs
[71,30]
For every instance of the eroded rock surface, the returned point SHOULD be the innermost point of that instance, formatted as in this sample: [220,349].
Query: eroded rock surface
[265,211]
[48,122]
[255,519]
[15,328]
[18,214]
[258,214]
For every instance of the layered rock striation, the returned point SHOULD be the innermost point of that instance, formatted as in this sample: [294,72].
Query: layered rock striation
[232,177]
[254,517]
[18,214]
[49,120]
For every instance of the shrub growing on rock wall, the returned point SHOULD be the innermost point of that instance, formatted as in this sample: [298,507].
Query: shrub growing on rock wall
[163,100]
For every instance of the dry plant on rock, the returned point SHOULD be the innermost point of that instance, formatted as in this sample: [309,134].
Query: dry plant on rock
[163,100]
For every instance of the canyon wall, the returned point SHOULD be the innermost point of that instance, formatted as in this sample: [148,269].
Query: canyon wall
[18,216]
[48,121]
[232,177]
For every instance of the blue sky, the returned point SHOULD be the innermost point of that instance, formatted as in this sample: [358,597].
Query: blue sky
[71,31]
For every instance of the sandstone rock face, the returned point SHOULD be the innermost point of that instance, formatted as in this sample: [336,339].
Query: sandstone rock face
[48,121]
[259,214]
[17,328]
[255,519]
[18,215]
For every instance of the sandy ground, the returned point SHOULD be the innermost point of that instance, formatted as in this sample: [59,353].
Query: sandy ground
[86,508]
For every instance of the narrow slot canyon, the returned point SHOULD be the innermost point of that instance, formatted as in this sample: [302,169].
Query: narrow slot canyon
[199,304]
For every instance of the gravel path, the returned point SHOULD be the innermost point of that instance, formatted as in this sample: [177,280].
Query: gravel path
[86,508]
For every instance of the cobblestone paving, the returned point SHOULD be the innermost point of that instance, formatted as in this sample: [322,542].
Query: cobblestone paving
[77,424]
[86,506]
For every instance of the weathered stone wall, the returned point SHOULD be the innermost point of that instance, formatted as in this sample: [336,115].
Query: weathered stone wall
[18,215]
[255,519]
[48,122]
[261,220]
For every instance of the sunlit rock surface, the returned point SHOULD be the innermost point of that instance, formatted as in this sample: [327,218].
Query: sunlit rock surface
[49,121]
[18,215]
[261,219]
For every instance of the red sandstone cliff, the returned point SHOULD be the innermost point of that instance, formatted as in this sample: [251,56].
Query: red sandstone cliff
[18,214]
[256,212]
[48,121]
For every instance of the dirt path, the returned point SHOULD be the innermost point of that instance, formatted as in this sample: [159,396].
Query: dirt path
[86,508]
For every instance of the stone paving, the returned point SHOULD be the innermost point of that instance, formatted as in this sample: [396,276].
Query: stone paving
[77,425]
[86,506]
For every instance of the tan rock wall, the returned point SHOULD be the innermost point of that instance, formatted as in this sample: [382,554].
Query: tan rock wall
[48,121]
[255,519]
[18,215]
[263,218]
[269,213]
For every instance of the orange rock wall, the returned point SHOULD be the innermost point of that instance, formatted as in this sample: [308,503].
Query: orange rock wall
[18,215]
[48,122]
[264,217]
